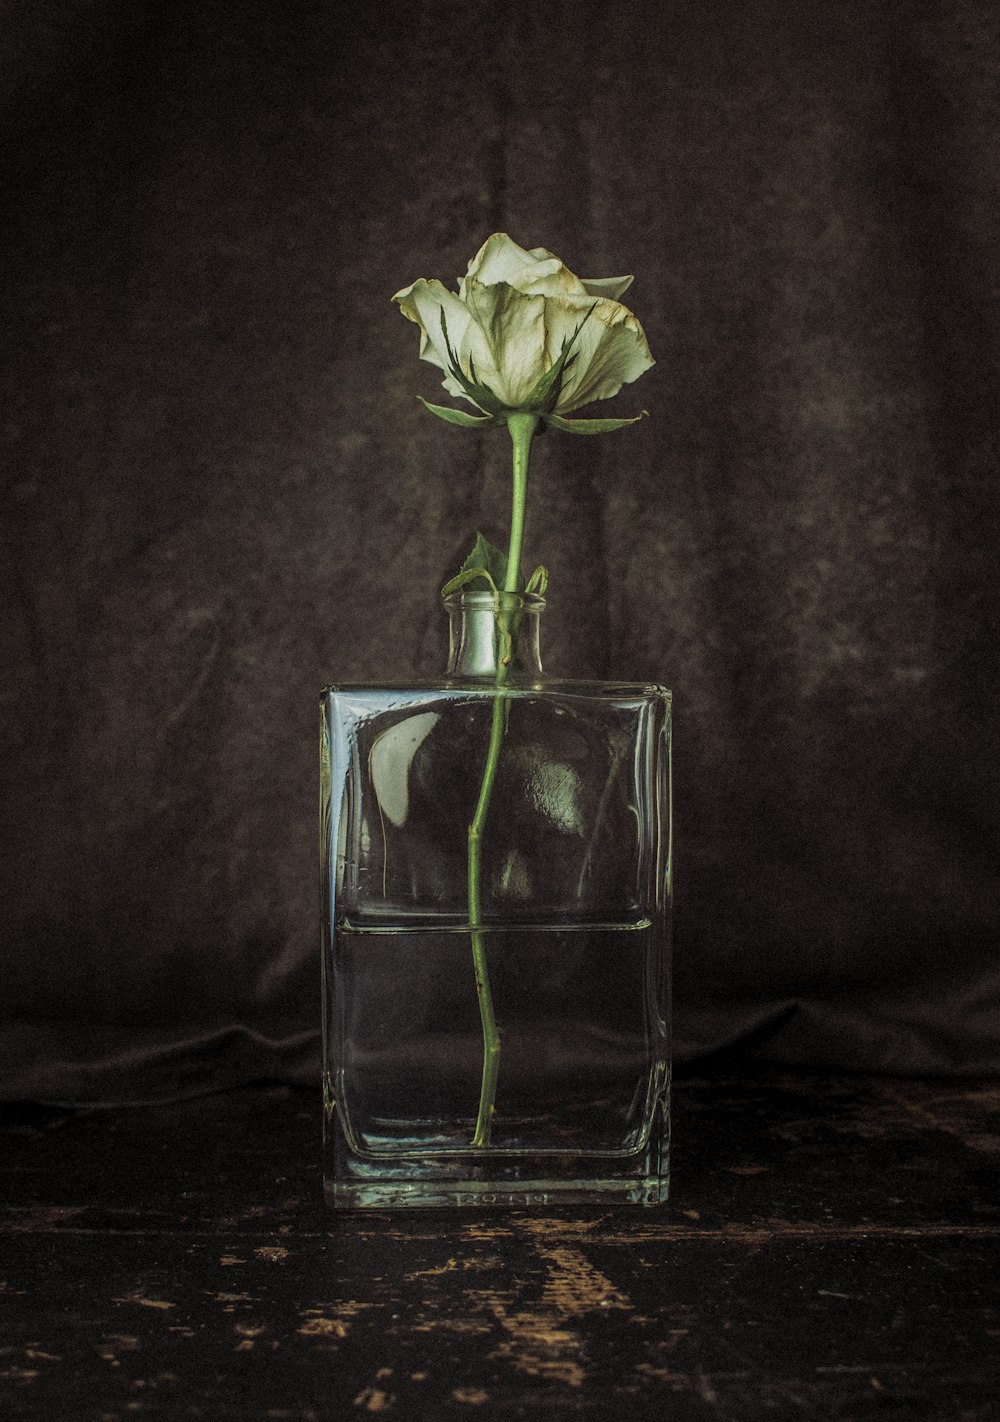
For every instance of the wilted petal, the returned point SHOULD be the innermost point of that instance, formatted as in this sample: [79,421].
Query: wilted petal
[511,326]
[564,316]
[423,303]
[548,278]
[613,288]
[536,273]
[498,259]
[612,350]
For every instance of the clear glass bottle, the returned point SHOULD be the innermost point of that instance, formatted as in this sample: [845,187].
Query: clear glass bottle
[566,931]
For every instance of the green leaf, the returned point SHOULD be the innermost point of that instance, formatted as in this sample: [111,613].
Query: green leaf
[457,417]
[486,562]
[589,427]
[487,555]
[538,581]
[467,575]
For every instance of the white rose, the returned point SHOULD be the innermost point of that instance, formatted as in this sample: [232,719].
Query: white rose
[516,315]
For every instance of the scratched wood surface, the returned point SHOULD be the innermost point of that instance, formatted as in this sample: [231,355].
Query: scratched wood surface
[832,1251]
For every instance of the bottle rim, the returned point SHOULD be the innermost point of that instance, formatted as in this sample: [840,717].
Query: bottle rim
[486,600]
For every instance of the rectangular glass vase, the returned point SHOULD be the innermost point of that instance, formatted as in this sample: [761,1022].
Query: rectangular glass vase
[573,927]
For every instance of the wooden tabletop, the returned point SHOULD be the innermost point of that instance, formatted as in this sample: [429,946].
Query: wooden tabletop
[832,1250]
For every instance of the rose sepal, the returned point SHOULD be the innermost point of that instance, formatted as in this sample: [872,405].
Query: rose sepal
[460,417]
[590,427]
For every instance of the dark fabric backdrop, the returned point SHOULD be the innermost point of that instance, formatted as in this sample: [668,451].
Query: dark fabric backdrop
[220,491]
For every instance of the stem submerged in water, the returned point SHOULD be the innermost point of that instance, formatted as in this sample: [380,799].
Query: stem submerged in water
[522,428]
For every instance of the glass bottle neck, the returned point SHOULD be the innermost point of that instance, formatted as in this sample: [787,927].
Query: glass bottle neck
[494,635]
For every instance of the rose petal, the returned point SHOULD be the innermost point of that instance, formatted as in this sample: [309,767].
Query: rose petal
[423,303]
[497,260]
[611,351]
[537,273]
[549,278]
[613,288]
[511,326]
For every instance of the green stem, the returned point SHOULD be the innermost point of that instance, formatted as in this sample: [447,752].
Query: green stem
[522,428]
